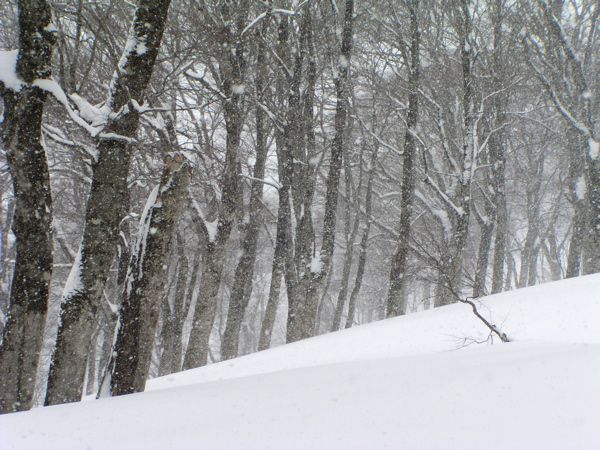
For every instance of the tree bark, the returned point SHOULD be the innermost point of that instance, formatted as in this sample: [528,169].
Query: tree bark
[483,253]
[497,142]
[283,256]
[143,289]
[174,316]
[105,205]
[528,269]
[574,99]
[244,272]
[450,277]
[581,234]
[302,315]
[277,272]
[362,255]
[395,301]
[21,136]
[232,67]
[349,256]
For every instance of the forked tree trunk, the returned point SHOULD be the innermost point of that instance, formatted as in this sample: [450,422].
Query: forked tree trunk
[105,206]
[21,137]
[144,286]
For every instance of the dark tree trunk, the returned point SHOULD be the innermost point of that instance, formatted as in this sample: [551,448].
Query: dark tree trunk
[483,253]
[579,199]
[32,223]
[395,301]
[277,271]
[297,182]
[232,71]
[283,258]
[578,235]
[105,207]
[303,311]
[362,255]
[349,256]
[244,272]
[143,288]
[552,253]
[450,277]
[497,142]
[529,254]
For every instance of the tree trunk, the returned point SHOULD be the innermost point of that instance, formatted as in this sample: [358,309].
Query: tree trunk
[578,235]
[104,212]
[395,301]
[302,315]
[592,260]
[528,270]
[348,258]
[580,115]
[244,272]
[277,271]
[32,224]
[232,71]
[170,360]
[483,254]
[583,257]
[497,142]
[297,179]
[450,277]
[143,289]
[362,255]
[90,385]
[552,253]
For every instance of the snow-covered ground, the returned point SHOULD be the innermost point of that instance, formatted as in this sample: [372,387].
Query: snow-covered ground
[416,382]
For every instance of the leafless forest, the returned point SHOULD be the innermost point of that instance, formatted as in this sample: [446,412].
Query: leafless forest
[187,181]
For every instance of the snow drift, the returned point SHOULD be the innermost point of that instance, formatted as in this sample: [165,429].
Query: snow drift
[430,380]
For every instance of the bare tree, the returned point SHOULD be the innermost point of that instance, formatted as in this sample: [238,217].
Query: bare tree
[105,205]
[143,290]
[302,310]
[24,101]
[242,284]
[231,76]
[395,301]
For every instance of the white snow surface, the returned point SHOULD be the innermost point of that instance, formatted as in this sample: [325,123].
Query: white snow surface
[8,70]
[580,188]
[408,382]
[594,149]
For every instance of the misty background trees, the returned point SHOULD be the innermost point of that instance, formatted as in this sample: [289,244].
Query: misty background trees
[225,176]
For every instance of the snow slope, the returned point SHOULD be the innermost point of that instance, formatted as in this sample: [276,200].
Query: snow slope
[399,383]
